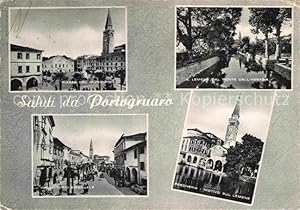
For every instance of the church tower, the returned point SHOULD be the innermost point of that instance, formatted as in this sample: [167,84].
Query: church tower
[233,125]
[91,150]
[108,36]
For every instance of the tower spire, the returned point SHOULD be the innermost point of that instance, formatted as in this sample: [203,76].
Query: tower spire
[236,110]
[91,150]
[108,36]
[233,126]
[108,20]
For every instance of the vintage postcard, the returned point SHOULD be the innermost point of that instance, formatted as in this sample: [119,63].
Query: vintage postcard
[222,145]
[233,47]
[84,52]
[89,155]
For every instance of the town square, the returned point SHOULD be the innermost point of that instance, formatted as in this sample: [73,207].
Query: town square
[56,58]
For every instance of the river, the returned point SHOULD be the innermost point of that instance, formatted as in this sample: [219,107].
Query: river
[238,73]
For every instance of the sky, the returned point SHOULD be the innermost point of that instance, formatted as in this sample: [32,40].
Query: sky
[104,130]
[244,27]
[213,118]
[71,32]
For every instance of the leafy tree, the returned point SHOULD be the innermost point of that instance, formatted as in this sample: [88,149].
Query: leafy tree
[283,14]
[101,76]
[122,77]
[211,29]
[78,77]
[265,20]
[245,43]
[60,76]
[248,153]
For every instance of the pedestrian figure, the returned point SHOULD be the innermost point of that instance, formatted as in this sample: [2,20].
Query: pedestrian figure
[60,190]
[85,188]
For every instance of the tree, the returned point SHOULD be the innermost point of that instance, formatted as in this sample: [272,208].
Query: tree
[245,43]
[211,29]
[122,77]
[78,77]
[60,76]
[283,14]
[265,20]
[101,76]
[248,153]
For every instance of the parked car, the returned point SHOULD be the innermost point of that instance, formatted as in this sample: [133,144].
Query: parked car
[139,189]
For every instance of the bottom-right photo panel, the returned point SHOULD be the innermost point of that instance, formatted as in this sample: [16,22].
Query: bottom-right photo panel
[222,145]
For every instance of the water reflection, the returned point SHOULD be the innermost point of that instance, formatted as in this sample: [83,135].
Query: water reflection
[236,72]
[210,183]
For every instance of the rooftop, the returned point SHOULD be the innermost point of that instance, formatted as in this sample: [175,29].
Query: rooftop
[14,47]
[137,137]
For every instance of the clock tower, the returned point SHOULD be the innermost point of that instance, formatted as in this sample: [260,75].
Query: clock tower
[108,36]
[233,125]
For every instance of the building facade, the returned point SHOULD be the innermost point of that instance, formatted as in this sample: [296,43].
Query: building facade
[58,63]
[25,67]
[58,159]
[75,158]
[43,163]
[207,151]
[130,154]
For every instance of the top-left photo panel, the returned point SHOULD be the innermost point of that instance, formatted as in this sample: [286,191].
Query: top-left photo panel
[68,49]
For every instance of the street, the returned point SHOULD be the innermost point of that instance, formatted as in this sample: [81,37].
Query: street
[100,186]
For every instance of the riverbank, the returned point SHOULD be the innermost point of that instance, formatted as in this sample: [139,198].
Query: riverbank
[184,74]
[270,64]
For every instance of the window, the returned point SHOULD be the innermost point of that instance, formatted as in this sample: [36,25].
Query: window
[38,56]
[195,160]
[135,153]
[142,150]
[27,56]
[20,56]
[183,155]
[186,170]
[19,69]
[27,69]
[189,158]
[55,65]
[125,158]
[38,68]
[142,166]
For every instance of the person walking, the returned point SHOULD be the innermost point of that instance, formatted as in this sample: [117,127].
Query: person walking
[85,188]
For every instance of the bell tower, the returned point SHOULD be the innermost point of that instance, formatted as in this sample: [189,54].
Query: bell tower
[232,127]
[108,36]
[91,150]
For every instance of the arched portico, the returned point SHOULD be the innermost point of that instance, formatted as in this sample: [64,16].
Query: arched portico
[32,82]
[134,176]
[16,84]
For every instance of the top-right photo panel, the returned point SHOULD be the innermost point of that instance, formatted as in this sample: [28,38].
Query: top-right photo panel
[233,47]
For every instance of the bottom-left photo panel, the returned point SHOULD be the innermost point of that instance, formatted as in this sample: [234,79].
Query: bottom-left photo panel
[90,155]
